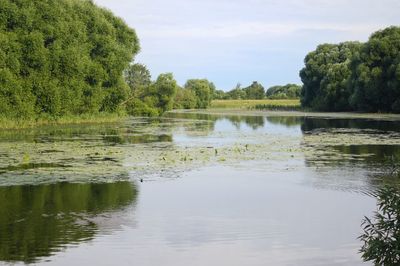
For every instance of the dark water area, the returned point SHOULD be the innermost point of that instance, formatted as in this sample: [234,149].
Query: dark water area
[39,221]
[193,189]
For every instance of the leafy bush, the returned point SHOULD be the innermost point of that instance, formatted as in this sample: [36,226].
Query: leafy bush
[381,235]
[185,99]
[203,89]
[62,58]
[288,91]
[352,76]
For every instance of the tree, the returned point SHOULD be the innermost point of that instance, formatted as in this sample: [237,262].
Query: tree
[137,76]
[202,88]
[255,91]
[326,77]
[155,98]
[237,93]
[165,89]
[62,57]
[288,91]
[220,95]
[185,99]
[376,73]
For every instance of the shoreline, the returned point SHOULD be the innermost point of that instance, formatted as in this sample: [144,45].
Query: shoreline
[271,113]
[11,124]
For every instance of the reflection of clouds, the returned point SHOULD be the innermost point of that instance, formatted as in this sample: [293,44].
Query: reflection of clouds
[225,216]
[198,231]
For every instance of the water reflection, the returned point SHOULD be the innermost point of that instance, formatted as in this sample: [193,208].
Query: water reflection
[131,132]
[38,221]
[325,142]
[310,124]
[237,121]
[287,121]
[376,154]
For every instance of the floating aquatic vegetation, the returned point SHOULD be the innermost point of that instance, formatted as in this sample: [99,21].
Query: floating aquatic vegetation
[165,147]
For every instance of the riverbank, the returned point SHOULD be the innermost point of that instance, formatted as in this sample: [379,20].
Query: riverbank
[256,104]
[7,123]
[267,113]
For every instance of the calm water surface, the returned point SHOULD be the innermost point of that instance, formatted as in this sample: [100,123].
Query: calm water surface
[191,189]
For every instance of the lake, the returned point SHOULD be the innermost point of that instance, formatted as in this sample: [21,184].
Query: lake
[193,189]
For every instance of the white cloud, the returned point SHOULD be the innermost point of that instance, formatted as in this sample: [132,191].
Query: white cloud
[245,29]
[242,40]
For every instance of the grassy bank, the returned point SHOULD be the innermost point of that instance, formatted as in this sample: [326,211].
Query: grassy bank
[257,104]
[7,123]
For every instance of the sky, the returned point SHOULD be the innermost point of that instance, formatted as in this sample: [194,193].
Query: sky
[241,41]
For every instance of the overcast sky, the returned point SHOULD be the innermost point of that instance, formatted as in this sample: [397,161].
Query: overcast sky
[231,41]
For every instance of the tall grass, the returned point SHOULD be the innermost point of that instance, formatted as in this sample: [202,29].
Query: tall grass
[266,104]
[7,123]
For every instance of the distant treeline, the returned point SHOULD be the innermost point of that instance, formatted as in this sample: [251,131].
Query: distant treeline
[257,92]
[353,76]
[147,98]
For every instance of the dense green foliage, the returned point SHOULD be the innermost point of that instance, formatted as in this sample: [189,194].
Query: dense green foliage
[219,95]
[326,77]
[236,94]
[255,91]
[376,73]
[62,58]
[148,98]
[185,99]
[137,76]
[288,91]
[203,91]
[352,76]
[381,236]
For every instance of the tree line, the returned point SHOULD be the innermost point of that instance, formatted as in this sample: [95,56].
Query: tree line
[257,92]
[152,98]
[71,57]
[354,76]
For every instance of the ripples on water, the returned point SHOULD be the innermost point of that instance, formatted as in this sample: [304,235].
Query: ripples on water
[217,190]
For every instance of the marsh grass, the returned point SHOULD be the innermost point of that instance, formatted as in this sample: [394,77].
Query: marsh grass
[257,104]
[7,123]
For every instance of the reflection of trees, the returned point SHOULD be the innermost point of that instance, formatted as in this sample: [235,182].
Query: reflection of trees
[288,121]
[310,124]
[373,157]
[193,116]
[194,123]
[251,121]
[109,133]
[335,154]
[137,139]
[374,153]
[36,221]
[325,150]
